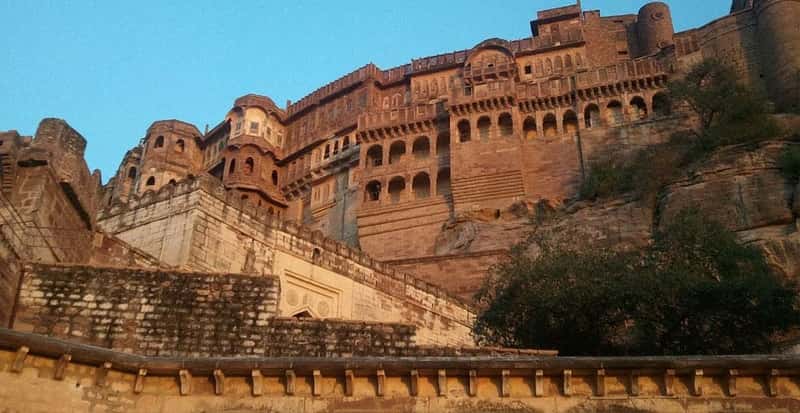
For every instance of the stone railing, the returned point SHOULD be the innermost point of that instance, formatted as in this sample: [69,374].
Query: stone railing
[401,116]
[443,384]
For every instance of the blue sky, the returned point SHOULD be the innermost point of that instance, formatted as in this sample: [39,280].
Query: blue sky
[110,68]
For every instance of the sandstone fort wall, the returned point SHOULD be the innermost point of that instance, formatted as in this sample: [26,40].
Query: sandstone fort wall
[192,225]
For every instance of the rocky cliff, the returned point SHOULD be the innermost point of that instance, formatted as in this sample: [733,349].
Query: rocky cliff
[742,186]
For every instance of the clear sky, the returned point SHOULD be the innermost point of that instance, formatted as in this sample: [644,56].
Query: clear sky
[110,68]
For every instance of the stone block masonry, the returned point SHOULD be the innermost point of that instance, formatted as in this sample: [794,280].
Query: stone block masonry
[196,226]
[148,312]
[179,314]
[42,374]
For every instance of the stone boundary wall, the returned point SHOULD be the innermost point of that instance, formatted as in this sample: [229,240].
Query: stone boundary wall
[41,374]
[171,313]
[250,241]
[331,251]
[147,311]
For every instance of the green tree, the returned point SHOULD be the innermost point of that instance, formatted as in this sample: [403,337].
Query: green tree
[695,290]
[728,112]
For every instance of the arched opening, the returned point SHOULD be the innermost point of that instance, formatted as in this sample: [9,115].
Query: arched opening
[336,147]
[506,124]
[303,314]
[375,156]
[249,166]
[151,181]
[484,123]
[132,173]
[591,116]
[464,132]
[639,108]
[271,211]
[570,122]
[549,125]
[327,151]
[219,169]
[568,63]
[396,187]
[421,186]
[316,254]
[275,178]
[396,151]
[614,113]
[661,105]
[180,146]
[548,66]
[159,142]
[232,167]
[172,182]
[345,143]
[443,144]
[443,182]
[529,128]
[421,147]
[559,64]
[373,191]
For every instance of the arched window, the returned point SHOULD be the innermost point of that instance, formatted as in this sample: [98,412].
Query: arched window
[549,126]
[346,143]
[639,108]
[372,191]
[421,147]
[249,166]
[570,122]
[375,156]
[443,182]
[159,142]
[614,115]
[336,147]
[506,124]
[568,63]
[232,166]
[421,186]
[275,178]
[559,64]
[464,132]
[548,66]
[132,173]
[396,188]
[151,181]
[661,105]
[172,182]
[591,116]
[396,151]
[443,144]
[529,128]
[578,60]
[180,146]
[327,152]
[484,124]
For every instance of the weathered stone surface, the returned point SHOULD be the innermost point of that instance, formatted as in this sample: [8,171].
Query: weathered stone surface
[740,186]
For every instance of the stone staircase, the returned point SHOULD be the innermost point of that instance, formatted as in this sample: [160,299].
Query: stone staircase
[6,175]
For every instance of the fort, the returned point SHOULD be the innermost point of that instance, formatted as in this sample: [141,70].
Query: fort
[323,255]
